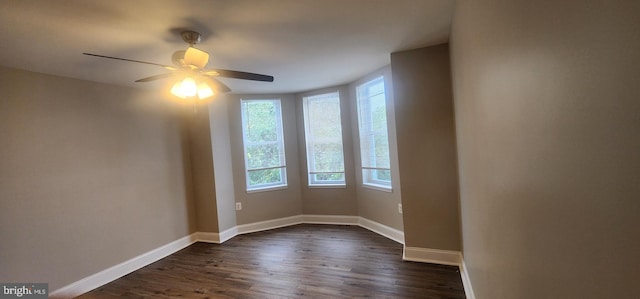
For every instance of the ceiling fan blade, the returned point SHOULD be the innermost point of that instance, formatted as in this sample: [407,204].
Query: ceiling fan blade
[243,75]
[130,60]
[156,77]
[196,57]
[221,87]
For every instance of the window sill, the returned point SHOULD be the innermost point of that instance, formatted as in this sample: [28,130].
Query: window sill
[378,187]
[327,186]
[269,188]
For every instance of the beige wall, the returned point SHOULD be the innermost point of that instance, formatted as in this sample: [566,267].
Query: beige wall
[376,205]
[91,175]
[204,187]
[272,204]
[547,107]
[325,200]
[223,169]
[426,147]
[212,170]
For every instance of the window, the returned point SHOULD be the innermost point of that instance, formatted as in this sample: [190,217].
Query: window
[374,140]
[323,134]
[263,144]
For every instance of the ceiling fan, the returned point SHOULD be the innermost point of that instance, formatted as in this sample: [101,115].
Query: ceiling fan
[189,66]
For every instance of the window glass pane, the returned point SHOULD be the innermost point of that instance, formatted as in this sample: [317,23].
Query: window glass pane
[383,175]
[371,88]
[263,144]
[335,177]
[265,176]
[324,118]
[381,150]
[327,157]
[261,121]
[323,135]
[263,155]
[378,113]
[374,139]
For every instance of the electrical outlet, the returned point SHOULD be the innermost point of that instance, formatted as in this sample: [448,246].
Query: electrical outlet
[238,206]
[400,208]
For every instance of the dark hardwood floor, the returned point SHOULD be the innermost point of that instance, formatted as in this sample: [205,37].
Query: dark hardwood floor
[301,261]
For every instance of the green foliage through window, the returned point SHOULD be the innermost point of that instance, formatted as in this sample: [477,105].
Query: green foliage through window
[323,135]
[263,143]
[374,139]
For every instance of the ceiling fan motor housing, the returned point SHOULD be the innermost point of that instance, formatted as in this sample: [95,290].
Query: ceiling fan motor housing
[191,37]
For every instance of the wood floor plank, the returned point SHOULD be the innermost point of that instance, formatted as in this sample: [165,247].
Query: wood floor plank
[301,261]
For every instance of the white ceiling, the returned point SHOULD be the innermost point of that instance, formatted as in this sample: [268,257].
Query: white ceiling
[304,44]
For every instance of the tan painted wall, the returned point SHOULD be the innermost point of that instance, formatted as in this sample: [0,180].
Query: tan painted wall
[91,175]
[223,169]
[211,166]
[273,204]
[204,187]
[547,106]
[328,201]
[426,147]
[376,205]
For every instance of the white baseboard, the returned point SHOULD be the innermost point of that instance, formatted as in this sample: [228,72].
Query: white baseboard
[435,256]
[382,229]
[445,257]
[269,224]
[228,234]
[217,238]
[466,282]
[208,237]
[105,276]
[371,225]
[330,219]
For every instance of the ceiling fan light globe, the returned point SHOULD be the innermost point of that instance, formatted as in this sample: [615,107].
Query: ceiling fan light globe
[176,90]
[188,87]
[185,88]
[204,91]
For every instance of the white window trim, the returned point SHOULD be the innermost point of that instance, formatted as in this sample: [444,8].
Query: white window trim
[312,183]
[328,186]
[372,184]
[279,127]
[377,184]
[270,188]
[377,187]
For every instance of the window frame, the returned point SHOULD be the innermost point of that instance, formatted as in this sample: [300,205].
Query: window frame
[282,184]
[312,182]
[364,119]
